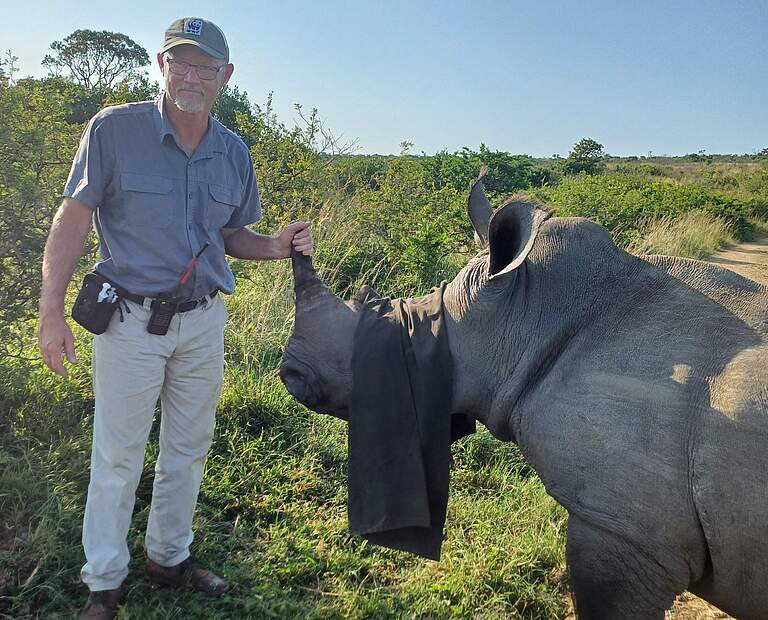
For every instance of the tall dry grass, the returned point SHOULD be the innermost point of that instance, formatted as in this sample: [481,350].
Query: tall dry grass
[761,228]
[695,234]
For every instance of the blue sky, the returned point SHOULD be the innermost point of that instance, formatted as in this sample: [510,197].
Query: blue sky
[667,77]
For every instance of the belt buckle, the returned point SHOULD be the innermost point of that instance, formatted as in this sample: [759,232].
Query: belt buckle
[205,299]
[190,304]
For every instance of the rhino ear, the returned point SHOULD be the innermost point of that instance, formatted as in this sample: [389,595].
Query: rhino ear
[511,233]
[364,295]
[479,210]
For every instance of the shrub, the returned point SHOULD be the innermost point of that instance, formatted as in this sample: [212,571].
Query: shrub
[36,147]
[623,204]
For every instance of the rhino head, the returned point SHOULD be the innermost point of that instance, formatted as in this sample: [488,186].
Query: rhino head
[316,366]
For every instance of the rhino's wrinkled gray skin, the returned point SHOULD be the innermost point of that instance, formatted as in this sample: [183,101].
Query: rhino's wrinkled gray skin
[636,387]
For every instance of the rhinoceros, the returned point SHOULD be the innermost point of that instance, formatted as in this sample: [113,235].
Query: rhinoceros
[635,386]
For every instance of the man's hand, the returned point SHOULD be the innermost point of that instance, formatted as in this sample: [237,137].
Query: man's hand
[62,250]
[295,236]
[54,339]
[244,243]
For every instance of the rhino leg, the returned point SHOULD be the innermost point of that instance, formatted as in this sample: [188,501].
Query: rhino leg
[611,579]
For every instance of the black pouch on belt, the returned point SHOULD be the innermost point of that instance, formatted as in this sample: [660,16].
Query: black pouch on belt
[162,313]
[96,303]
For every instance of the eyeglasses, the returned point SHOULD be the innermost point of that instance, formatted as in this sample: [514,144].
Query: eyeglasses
[204,72]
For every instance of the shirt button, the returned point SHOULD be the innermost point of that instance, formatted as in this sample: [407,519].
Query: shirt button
[190,194]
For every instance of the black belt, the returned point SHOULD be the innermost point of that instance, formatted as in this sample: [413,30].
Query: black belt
[184,306]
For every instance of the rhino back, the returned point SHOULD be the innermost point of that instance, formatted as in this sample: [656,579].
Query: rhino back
[729,469]
[742,297]
[659,386]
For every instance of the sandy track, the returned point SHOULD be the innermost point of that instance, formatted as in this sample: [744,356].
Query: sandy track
[747,259]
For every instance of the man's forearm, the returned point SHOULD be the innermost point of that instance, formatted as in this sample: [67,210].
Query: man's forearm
[244,243]
[62,251]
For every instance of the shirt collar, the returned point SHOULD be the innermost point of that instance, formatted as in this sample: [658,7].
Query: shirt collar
[212,142]
[161,120]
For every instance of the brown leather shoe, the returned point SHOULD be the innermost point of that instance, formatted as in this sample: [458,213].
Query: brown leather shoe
[188,574]
[102,604]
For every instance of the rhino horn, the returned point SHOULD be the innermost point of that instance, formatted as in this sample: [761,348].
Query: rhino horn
[479,209]
[511,233]
[307,284]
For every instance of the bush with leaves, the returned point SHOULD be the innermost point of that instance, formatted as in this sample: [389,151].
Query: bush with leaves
[36,147]
[291,164]
[231,105]
[625,204]
[507,173]
[406,232]
[357,172]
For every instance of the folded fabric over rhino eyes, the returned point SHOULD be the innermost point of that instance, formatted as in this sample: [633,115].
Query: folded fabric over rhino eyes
[400,429]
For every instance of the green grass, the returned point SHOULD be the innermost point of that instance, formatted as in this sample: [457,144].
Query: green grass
[272,518]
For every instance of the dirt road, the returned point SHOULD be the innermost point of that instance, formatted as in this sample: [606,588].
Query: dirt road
[748,259]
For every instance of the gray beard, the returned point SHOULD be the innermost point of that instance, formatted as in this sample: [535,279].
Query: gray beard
[185,105]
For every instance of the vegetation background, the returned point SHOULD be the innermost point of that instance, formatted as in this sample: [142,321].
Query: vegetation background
[272,509]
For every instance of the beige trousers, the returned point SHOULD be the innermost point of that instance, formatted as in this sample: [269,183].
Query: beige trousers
[131,370]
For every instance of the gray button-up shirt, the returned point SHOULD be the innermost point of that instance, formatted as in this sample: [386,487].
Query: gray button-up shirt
[155,207]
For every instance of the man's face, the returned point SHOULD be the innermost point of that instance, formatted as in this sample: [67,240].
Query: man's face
[189,92]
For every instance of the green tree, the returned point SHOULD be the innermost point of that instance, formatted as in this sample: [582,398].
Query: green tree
[8,68]
[587,156]
[97,60]
[36,146]
[131,89]
[229,105]
[506,173]
[79,103]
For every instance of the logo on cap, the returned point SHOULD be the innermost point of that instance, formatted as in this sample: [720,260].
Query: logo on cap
[193,26]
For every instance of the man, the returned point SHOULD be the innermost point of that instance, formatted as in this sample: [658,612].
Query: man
[161,181]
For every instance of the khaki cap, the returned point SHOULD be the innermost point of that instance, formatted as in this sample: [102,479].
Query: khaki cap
[200,33]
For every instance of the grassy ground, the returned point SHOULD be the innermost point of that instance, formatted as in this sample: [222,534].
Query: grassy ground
[272,518]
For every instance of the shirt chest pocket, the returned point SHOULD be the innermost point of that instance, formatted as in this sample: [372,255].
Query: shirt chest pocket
[147,200]
[221,206]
